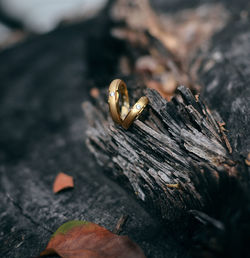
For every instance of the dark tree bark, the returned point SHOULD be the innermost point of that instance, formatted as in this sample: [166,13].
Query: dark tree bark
[43,83]
[171,160]
[176,139]
[176,157]
[226,83]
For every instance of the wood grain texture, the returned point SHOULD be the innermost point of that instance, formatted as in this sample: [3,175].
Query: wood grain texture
[43,83]
[177,142]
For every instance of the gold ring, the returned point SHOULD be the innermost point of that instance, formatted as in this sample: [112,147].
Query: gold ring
[134,112]
[118,87]
[118,93]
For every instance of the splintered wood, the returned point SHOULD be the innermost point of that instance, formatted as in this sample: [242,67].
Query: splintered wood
[172,158]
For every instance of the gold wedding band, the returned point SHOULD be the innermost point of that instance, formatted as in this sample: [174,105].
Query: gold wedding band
[118,93]
[134,112]
[118,87]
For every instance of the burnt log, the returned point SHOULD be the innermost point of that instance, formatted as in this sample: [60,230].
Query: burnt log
[43,83]
[171,159]
[177,157]
[224,74]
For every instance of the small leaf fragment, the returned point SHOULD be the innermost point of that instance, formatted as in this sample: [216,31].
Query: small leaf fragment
[62,181]
[89,240]
[94,92]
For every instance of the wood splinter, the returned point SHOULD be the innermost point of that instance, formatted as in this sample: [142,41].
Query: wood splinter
[174,142]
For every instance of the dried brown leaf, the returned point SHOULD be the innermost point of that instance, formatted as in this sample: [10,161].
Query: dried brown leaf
[82,239]
[94,92]
[62,181]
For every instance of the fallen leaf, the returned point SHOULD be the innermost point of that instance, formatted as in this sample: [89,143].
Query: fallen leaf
[94,92]
[82,239]
[62,181]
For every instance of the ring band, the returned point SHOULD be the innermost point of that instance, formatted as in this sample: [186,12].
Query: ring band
[117,88]
[134,112]
[118,93]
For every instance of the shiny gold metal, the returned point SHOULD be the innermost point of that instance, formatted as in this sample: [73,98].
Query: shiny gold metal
[134,112]
[118,94]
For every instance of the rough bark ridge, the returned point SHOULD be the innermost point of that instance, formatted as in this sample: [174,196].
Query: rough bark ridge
[170,158]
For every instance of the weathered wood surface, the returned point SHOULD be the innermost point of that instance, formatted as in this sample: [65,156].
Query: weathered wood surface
[175,139]
[225,76]
[42,132]
[148,158]
[170,147]
[43,83]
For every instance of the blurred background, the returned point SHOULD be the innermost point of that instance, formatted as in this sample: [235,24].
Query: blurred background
[21,18]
